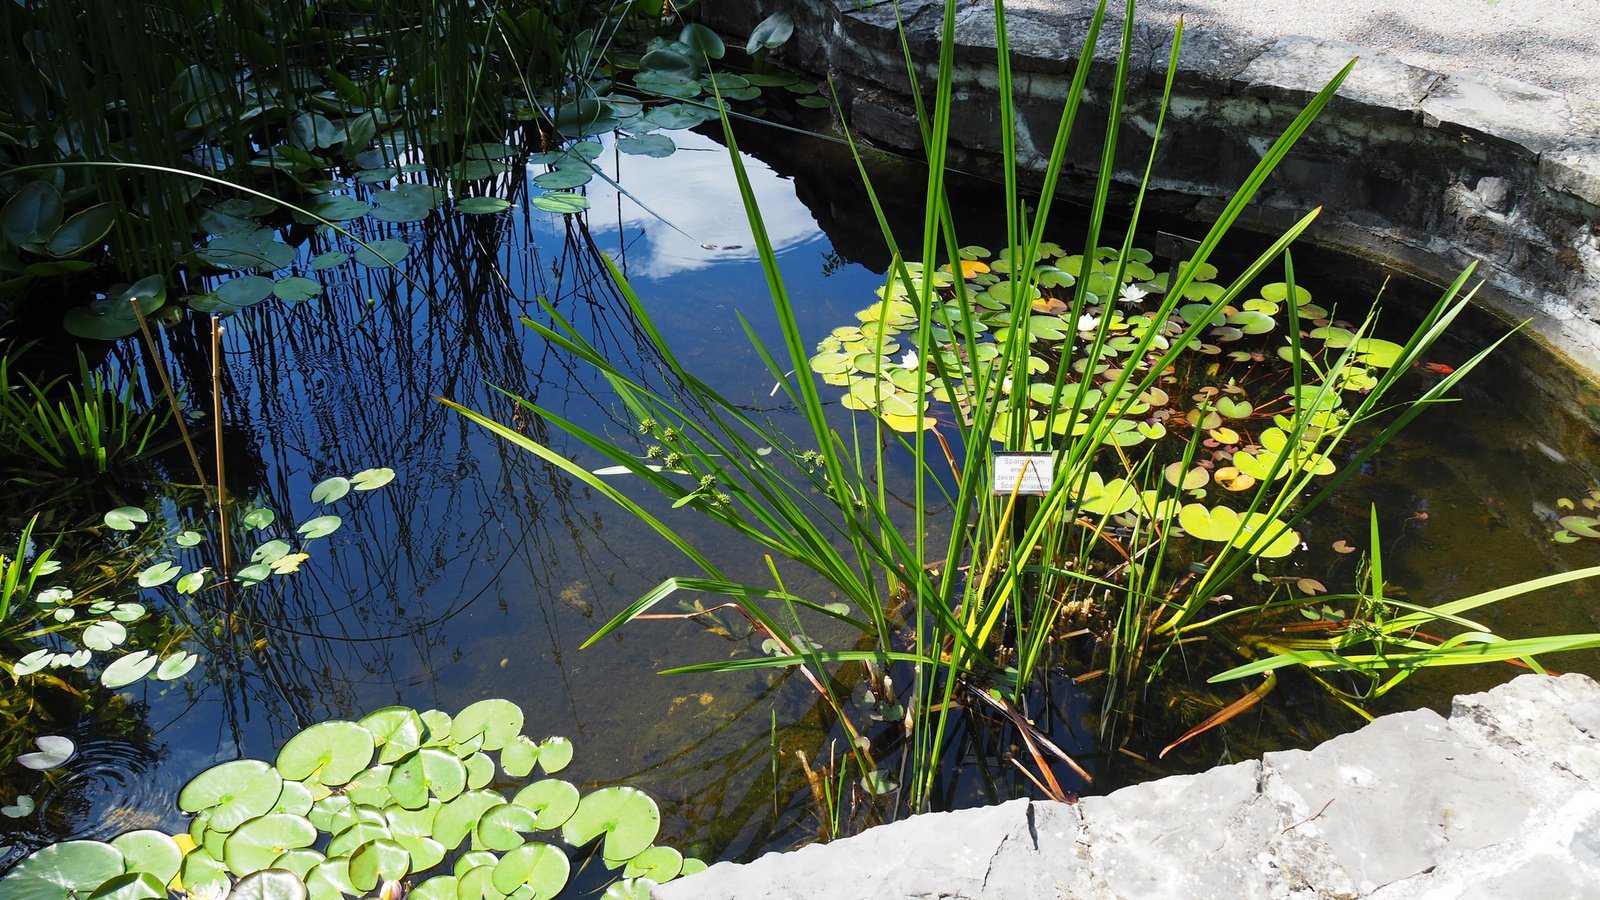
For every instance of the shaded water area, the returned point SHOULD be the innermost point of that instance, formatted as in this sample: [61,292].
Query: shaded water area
[481,570]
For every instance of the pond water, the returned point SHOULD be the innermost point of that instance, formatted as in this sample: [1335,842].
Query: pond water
[481,570]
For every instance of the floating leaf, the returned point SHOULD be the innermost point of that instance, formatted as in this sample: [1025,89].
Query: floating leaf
[330,489]
[53,751]
[232,793]
[627,816]
[371,479]
[270,551]
[563,202]
[334,751]
[128,669]
[459,817]
[104,635]
[554,800]
[176,666]
[189,539]
[1584,526]
[381,254]
[555,754]
[497,720]
[396,729]
[258,518]
[479,206]
[295,289]
[657,863]
[376,861]
[125,518]
[23,807]
[878,783]
[321,526]
[256,843]
[439,887]
[269,884]
[539,866]
[329,260]
[501,827]
[652,145]
[425,770]
[518,756]
[288,563]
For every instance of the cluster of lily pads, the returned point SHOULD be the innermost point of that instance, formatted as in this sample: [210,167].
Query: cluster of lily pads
[1576,526]
[1231,388]
[83,629]
[349,808]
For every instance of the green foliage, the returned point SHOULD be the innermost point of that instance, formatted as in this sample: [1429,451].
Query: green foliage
[350,807]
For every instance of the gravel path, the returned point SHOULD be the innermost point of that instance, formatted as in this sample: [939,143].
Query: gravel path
[1551,43]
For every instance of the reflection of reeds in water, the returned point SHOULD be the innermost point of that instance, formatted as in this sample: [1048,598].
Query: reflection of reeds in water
[343,383]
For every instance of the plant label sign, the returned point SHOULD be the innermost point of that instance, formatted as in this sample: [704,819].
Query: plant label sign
[1025,473]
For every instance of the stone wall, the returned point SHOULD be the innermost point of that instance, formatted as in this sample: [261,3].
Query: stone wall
[1500,800]
[1422,171]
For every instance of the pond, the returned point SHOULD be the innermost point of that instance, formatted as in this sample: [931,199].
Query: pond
[480,570]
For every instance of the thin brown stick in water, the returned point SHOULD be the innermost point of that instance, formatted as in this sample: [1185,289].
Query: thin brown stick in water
[172,398]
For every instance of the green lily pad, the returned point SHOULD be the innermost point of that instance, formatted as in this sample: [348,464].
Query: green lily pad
[1584,526]
[232,793]
[497,720]
[396,729]
[300,862]
[477,883]
[626,816]
[479,206]
[126,518]
[555,754]
[348,841]
[562,202]
[539,866]
[128,669]
[295,289]
[131,886]
[371,479]
[255,844]
[258,518]
[427,769]
[329,880]
[327,491]
[334,751]
[246,290]
[202,870]
[147,850]
[382,254]
[652,145]
[377,861]
[480,770]
[270,884]
[370,787]
[501,827]
[329,260]
[321,526]
[459,817]
[176,666]
[1230,408]
[61,871]
[439,887]
[295,800]
[554,800]
[657,863]
[518,756]
[560,179]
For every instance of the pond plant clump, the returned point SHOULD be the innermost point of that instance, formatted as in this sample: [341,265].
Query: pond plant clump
[1189,426]
[366,808]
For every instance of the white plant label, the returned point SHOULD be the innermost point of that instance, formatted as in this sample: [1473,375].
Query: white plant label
[1025,473]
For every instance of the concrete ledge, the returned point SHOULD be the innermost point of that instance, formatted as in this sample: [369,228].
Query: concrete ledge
[1500,800]
[1422,170]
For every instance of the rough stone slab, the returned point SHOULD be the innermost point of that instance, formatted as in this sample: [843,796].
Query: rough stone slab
[1295,68]
[1184,836]
[1398,797]
[1475,104]
[1574,169]
[1502,800]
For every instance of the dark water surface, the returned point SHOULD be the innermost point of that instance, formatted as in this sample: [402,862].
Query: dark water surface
[481,569]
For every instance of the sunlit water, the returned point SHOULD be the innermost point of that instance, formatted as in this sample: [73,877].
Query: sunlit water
[481,570]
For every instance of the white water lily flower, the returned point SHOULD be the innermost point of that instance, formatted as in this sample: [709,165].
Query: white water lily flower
[909,360]
[1087,322]
[1132,293]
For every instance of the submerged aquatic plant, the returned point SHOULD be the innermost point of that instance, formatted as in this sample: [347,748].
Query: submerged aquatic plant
[350,808]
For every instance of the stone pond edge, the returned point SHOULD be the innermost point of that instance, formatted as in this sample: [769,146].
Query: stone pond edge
[1417,170]
[1500,799]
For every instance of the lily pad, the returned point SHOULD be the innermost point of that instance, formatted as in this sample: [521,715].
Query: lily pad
[256,843]
[150,851]
[651,145]
[627,817]
[554,800]
[428,769]
[562,202]
[396,729]
[176,666]
[131,886]
[126,518]
[381,254]
[128,669]
[501,827]
[327,491]
[541,867]
[376,861]
[497,720]
[459,817]
[479,206]
[54,750]
[270,884]
[232,793]
[657,863]
[321,526]
[334,751]
[371,479]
